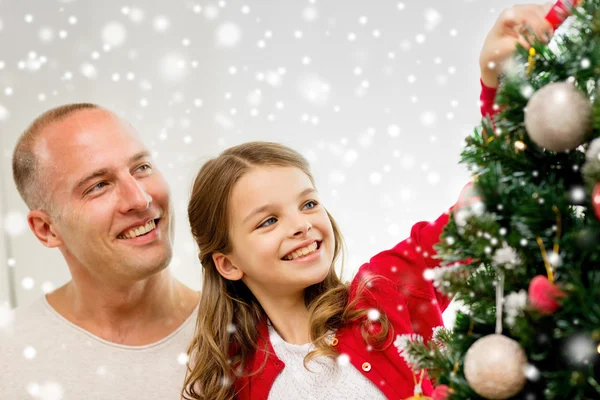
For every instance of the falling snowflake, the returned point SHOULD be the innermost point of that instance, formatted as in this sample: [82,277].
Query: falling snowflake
[532,373]
[254,98]
[114,34]
[350,157]
[428,118]
[28,283]
[580,349]
[375,178]
[46,34]
[343,360]
[173,67]
[315,89]
[373,314]
[433,178]
[6,316]
[310,14]
[136,15]
[88,70]
[394,130]
[161,23]
[211,12]
[432,18]
[337,177]
[183,358]
[50,391]
[29,352]
[48,287]
[4,113]
[228,34]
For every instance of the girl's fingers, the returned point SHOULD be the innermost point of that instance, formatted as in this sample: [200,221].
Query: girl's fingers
[524,42]
[529,21]
[534,25]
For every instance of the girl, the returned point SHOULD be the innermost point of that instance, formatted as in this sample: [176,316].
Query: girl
[276,320]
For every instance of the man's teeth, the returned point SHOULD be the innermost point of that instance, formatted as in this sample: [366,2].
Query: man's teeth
[311,248]
[139,231]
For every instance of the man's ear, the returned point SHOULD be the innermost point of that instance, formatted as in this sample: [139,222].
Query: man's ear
[42,227]
[226,267]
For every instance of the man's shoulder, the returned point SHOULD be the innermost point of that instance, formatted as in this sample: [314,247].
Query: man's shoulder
[22,322]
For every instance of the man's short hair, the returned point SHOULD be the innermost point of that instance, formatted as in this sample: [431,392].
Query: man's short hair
[26,163]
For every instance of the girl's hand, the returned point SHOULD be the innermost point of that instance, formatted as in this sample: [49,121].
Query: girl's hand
[517,24]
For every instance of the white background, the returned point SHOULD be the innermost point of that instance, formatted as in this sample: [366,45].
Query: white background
[377,94]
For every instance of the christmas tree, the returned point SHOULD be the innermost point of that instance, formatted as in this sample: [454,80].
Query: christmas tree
[522,248]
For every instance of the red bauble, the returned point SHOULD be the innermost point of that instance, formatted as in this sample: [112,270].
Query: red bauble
[441,392]
[543,295]
[596,200]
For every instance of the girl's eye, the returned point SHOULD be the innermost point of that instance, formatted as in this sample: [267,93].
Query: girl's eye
[309,205]
[268,222]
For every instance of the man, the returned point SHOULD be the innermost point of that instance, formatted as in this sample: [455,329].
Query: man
[120,328]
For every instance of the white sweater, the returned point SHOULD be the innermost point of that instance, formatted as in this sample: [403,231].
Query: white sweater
[329,380]
[44,356]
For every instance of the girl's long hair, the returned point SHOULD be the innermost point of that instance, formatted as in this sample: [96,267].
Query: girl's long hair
[229,314]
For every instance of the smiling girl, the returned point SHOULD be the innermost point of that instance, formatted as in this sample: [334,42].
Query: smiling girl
[276,320]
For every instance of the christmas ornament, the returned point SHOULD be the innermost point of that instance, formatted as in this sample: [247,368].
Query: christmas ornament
[558,117]
[494,367]
[543,295]
[418,393]
[596,199]
[441,392]
[531,60]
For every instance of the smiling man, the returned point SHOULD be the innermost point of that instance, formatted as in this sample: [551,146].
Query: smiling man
[117,329]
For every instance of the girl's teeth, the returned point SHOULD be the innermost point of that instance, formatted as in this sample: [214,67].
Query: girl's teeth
[302,252]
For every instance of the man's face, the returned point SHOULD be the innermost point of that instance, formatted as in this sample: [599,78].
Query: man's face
[111,206]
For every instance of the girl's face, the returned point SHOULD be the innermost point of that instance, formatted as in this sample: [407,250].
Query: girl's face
[282,237]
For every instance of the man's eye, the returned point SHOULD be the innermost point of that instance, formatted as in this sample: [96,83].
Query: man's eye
[97,186]
[144,167]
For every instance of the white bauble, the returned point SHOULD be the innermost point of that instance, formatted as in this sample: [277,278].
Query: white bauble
[558,117]
[495,367]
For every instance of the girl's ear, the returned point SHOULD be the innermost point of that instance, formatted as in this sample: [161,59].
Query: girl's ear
[226,267]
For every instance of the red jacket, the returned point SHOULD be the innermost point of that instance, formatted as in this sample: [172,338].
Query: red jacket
[487,100]
[411,304]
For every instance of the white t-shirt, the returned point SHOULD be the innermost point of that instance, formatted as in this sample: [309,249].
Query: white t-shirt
[327,381]
[44,356]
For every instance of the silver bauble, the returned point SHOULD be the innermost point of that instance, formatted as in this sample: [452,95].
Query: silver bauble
[495,367]
[558,117]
